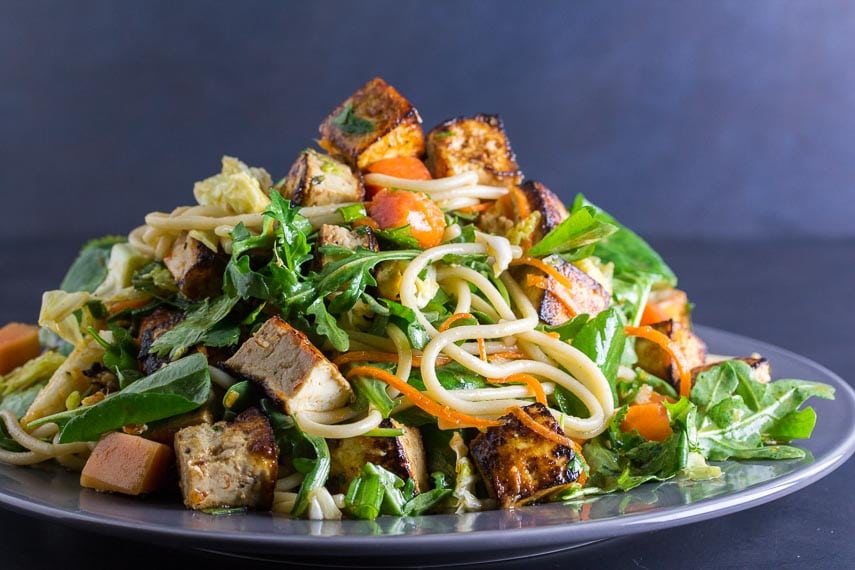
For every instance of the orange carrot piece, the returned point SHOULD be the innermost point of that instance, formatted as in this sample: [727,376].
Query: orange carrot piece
[533,384]
[119,306]
[408,167]
[398,208]
[649,420]
[421,400]
[19,343]
[446,324]
[673,351]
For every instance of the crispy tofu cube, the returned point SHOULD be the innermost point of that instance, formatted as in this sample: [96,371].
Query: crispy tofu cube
[403,455]
[197,269]
[128,464]
[656,361]
[476,144]
[760,369]
[317,180]
[375,123]
[520,466]
[531,209]
[556,303]
[228,464]
[152,326]
[330,234]
[290,369]
[163,431]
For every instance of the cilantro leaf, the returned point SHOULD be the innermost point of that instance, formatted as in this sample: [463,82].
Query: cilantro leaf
[350,124]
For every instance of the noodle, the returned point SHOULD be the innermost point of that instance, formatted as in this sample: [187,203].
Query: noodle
[37,450]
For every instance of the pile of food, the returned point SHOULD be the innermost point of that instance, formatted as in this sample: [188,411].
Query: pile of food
[404,324]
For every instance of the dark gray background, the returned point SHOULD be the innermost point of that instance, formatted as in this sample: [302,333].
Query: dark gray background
[707,119]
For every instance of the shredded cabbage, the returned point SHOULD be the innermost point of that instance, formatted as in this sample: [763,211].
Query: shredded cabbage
[238,189]
[57,314]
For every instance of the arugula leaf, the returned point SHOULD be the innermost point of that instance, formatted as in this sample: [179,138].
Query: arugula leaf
[737,416]
[350,124]
[370,390]
[89,270]
[580,229]
[201,318]
[399,237]
[178,387]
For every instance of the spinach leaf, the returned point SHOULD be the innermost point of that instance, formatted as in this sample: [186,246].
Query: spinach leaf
[637,266]
[89,270]
[120,356]
[580,229]
[178,387]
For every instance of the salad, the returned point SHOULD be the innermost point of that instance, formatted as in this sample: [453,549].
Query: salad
[404,324]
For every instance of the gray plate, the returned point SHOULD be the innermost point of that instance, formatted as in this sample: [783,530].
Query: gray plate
[482,537]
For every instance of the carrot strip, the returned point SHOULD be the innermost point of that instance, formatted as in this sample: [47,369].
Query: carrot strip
[507,355]
[422,400]
[453,319]
[542,430]
[482,349]
[665,343]
[546,268]
[560,293]
[527,379]
[119,306]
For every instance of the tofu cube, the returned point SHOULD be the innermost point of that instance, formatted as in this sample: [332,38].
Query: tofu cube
[403,455]
[290,369]
[520,466]
[152,326]
[228,464]
[330,234]
[671,303]
[476,144]
[197,269]
[515,208]
[656,361]
[557,303]
[375,123]
[316,179]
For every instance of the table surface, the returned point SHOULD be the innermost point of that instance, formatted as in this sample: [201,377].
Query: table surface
[795,295]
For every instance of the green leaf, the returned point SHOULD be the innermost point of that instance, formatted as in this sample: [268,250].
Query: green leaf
[350,124]
[316,476]
[178,387]
[120,356]
[201,318]
[602,339]
[19,402]
[89,270]
[399,237]
[370,390]
[156,280]
[578,230]
[352,212]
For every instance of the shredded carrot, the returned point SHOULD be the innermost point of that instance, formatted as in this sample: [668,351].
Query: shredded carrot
[560,293]
[453,319]
[508,355]
[665,343]
[421,400]
[478,207]
[527,379]
[482,349]
[119,306]
[546,268]
[542,430]
[521,202]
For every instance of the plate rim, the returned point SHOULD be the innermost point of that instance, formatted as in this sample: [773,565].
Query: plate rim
[533,537]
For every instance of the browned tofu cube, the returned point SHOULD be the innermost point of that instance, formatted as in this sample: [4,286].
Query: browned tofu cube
[228,464]
[555,301]
[512,211]
[163,431]
[403,455]
[330,234]
[476,144]
[760,369]
[520,466]
[128,464]
[290,369]
[656,361]
[197,270]
[152,326]
[375,123]
[316,179]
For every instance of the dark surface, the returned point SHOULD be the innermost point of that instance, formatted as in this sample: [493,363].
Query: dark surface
[791,294]
[683,118]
